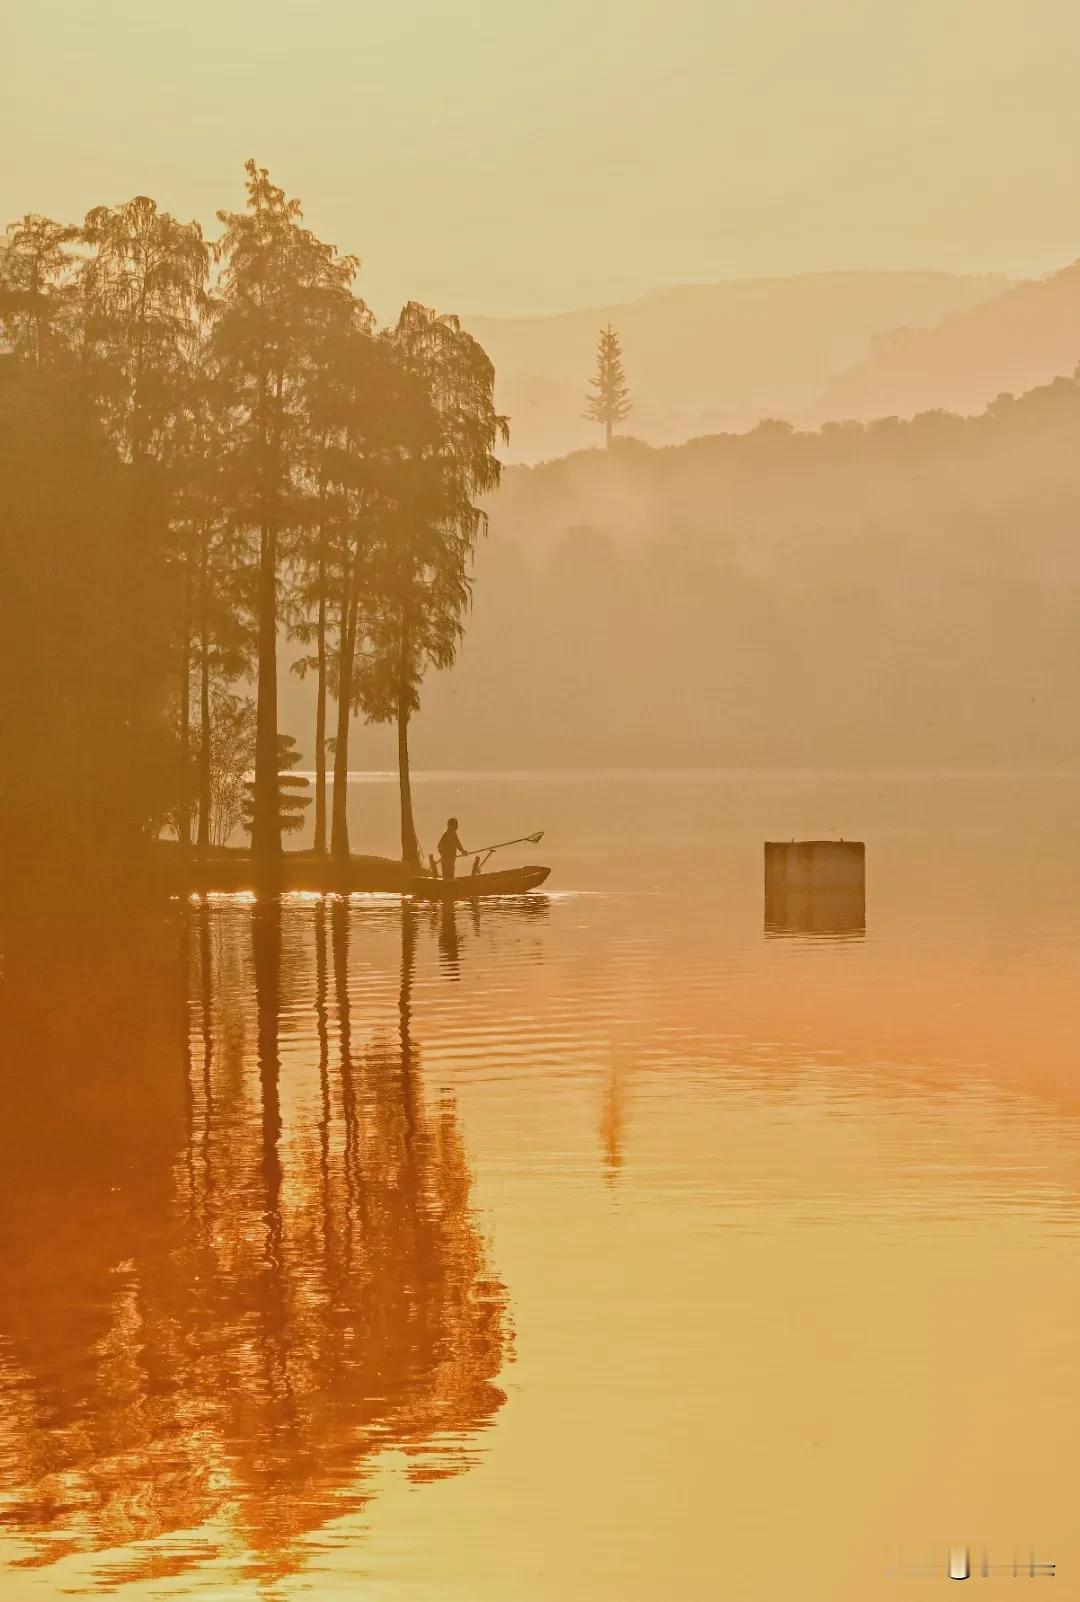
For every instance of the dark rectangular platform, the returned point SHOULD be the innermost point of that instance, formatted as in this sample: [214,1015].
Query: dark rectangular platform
[815,887]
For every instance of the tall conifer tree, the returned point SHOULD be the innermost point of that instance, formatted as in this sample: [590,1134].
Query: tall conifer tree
[610,401]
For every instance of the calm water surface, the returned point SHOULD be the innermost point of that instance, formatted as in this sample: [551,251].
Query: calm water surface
[601,1245]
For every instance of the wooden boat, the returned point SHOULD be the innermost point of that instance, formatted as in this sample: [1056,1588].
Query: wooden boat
[508,882]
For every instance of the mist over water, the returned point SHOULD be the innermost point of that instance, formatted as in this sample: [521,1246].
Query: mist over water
[599,1242]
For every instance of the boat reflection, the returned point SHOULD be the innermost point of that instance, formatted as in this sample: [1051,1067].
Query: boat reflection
[237,1272]
[452,918]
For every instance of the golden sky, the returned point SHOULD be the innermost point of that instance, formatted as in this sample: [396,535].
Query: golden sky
[537,155]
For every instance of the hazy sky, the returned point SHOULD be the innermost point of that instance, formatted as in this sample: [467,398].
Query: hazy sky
[542,154]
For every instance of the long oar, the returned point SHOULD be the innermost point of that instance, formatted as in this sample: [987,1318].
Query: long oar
[523,839]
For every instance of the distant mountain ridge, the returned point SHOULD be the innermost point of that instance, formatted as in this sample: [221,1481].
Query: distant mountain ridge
[711,358]
[1023,337]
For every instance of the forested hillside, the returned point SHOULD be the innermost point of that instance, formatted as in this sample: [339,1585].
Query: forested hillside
[705,357]
[900,593]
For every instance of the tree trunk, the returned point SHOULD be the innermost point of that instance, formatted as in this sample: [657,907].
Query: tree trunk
[320,713]
[138,422]
[266,820]
[204,710]
[410,849]
[339,830]
[266,811]
[607,428]
[183,827]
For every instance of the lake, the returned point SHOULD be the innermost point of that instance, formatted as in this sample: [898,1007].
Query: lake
[604,1244]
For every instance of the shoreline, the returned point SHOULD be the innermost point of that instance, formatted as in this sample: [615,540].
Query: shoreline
[232,869]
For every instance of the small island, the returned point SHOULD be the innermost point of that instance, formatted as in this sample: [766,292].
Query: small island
[251,467]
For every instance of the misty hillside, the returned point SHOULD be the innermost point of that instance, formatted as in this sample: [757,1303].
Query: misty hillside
[1026,335]
[904,593]
[708,358]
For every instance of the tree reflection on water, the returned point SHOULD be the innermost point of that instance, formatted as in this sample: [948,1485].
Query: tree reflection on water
[240,1258]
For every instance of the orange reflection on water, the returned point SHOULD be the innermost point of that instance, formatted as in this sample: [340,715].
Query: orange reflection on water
[789,1227]
[223,1302]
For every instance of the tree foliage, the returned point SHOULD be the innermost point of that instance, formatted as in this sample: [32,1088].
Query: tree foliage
[292,803]
[276,459]
[86,620]
[141,286]
[225,747]
[280,289]
[37,289]
[447,464]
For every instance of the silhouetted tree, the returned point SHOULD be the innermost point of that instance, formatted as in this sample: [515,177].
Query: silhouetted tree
[288,463]
[423,582]
[610,403]
[85,620]
[224,754]
[342,403]
[210,548]
[37,289]
[278,281]
[140,287]
[352,410]
[141,293]
[291,804]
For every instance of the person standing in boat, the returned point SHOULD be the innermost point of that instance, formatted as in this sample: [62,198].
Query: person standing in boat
[450,848]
